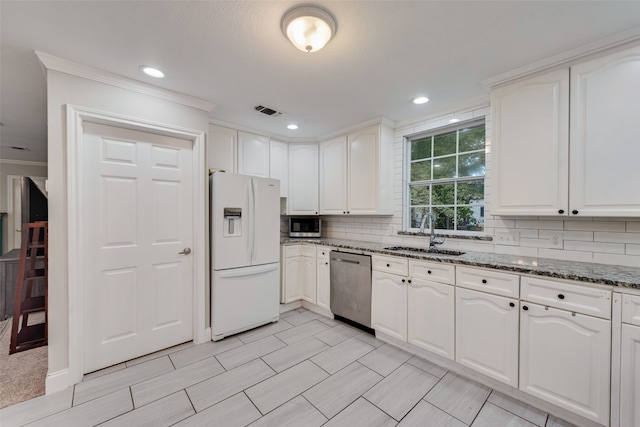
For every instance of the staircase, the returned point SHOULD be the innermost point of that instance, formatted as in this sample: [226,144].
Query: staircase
[35,242]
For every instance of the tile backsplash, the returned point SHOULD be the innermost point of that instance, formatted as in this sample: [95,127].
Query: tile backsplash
[614,241]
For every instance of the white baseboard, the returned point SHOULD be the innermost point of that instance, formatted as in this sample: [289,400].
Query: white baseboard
[317,309]
[290,306]
[57,381]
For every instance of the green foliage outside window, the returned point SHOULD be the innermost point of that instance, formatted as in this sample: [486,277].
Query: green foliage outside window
[447,178]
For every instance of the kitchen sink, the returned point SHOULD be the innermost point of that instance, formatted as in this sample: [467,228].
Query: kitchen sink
[425,250]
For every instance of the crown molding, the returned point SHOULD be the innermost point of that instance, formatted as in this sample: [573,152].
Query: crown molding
[377,121]
[22,162]
[448,110]
[565,57]
[51,62]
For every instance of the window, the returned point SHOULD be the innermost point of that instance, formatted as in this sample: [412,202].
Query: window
[446,177]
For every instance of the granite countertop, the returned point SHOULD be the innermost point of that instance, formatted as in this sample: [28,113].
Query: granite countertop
[614,275]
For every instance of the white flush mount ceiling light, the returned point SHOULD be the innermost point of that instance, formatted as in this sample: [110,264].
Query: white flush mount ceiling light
[420,100]
[454,120]
[309,28]
[292,126]
[153,72]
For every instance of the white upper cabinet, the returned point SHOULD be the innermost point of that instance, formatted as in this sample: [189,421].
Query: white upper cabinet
[530,146]
[303,179]
[222,148]
[356,173]
[605,101]
[565,142]
[333,176]
[253,154]
[279,165]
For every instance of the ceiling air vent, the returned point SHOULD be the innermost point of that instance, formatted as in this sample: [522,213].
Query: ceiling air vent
[268,111]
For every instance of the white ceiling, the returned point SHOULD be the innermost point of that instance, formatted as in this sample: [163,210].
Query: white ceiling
[233,54]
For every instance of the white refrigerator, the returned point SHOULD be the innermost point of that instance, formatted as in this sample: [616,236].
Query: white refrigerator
[245,252]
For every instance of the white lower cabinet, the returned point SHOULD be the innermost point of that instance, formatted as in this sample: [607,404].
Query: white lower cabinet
[299,273]
[389,304]
[430,317]
[308,268]
[323,278]
[410,305]
[565,359]
[292,280]
[487,334]
[630,363]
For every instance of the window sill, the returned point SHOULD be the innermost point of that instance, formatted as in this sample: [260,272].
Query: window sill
[448,236]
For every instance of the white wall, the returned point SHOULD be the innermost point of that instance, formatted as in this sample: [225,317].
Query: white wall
[65,89]
[18,168]
[614,241]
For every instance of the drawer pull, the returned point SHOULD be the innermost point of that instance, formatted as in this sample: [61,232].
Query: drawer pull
[525,308]
[560,296]
[511,304]
[484,281]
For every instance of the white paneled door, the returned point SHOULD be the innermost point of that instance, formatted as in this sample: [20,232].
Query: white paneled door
[137,226]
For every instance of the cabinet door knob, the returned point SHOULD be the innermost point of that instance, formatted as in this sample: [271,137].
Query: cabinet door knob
[403,280]
[525,308]
[560,296]
[561,211]
[511,304]
[428,271]
[343,212]
[348,212]
[575,212]
[388,265]
[484,281]
[409,280]
[326,263]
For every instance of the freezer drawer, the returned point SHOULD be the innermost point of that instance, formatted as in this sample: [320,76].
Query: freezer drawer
[243,298]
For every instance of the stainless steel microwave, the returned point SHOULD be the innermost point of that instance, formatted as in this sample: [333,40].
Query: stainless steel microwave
[309,226]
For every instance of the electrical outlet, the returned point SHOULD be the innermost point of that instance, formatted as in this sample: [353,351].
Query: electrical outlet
[511,238]
[556,240]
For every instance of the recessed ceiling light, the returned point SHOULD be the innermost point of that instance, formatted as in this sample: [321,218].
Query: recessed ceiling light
[454,120]
[420,100]
[292,127]
[153,72]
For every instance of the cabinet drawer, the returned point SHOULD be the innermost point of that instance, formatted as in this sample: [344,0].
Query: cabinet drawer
[494,282]
[631,309]
[390,264]
[568,296]
[433,271]
[323,252]
[299,250]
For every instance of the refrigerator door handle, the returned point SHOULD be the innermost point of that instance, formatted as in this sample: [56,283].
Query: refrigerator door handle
[252,220]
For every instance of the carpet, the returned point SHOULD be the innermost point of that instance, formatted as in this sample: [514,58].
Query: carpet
[22,375]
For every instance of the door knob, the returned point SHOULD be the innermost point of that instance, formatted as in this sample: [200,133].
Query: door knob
[185,251]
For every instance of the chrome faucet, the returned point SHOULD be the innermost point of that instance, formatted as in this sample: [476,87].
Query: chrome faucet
[433,240]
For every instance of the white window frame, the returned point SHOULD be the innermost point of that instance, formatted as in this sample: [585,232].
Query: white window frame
[406,182]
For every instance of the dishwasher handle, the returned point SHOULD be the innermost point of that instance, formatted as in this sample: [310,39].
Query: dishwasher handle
[351,261]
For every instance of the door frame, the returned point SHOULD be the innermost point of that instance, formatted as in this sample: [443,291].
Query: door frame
[75,117]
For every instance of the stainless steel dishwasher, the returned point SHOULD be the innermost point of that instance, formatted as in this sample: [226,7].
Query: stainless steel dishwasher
[351,287]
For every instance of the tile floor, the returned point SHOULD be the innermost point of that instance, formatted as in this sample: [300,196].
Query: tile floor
[305,370]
